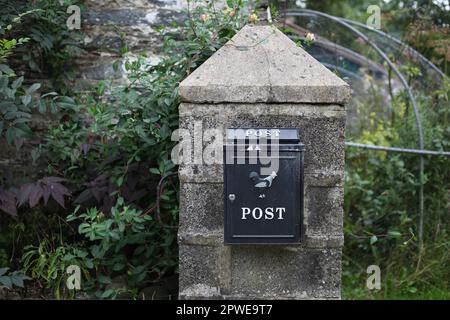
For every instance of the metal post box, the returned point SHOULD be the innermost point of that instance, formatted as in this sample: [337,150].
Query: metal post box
[263,191]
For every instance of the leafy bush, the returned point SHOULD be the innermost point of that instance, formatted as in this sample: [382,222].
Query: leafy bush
[48,265]
[122,243]
[381,203]
[50,46]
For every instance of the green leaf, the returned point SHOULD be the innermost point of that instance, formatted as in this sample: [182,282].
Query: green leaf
[42,106]
[33,88]
[373,239]
[155,171]
[120,181]
[394,234]
[10,135]
[6,281]
[3,271]
[107,293]
[89,264]
[118,266]
[6,69]
[49,94]
[17,280]
[104,279]
[26,100]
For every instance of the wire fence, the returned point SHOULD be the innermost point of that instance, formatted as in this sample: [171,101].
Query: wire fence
[356,28]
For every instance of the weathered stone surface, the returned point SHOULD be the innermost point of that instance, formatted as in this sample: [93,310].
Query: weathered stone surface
[324,211]
[202,207]
[110,24]
[278,272]
[323,178]
[261,64]
[199,265]
[321,130]
[204,271]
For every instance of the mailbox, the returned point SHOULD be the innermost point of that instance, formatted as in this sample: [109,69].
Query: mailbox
[263,191]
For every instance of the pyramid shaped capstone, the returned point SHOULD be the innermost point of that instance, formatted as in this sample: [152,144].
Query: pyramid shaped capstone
[261,64]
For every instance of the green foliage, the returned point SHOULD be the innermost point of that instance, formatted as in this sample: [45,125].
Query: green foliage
[48,265]
[50,46]
[19,101]
[381,202]
[122,244]
[9,280]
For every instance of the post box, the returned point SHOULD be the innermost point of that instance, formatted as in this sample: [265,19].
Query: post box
[263,191]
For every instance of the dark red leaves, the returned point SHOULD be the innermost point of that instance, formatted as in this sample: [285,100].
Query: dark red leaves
[43,189]
[35,195]
[8,202]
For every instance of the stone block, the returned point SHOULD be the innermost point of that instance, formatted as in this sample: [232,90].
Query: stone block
[201,207]
[324,211]
[204,271]
[285,272]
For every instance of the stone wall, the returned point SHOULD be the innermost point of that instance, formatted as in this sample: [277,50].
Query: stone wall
[109,24]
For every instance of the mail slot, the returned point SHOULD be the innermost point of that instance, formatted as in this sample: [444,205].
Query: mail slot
[263,175]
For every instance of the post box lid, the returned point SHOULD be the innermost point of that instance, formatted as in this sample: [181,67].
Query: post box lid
[284,135]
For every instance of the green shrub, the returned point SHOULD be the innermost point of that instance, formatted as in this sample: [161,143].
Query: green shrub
[382,207]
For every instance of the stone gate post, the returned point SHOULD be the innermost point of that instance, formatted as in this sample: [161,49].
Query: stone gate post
[261,79]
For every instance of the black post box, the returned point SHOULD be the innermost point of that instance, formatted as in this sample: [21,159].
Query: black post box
[263,191]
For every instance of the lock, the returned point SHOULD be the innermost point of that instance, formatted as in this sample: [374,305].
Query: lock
[263,184]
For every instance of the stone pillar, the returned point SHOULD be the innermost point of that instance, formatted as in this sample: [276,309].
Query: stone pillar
[262,79]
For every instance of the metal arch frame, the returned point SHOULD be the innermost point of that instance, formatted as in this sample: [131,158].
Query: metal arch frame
[397,41]
[395,149]
[340,21]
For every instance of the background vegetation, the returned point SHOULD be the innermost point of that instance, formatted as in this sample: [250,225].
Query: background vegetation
[107,200]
